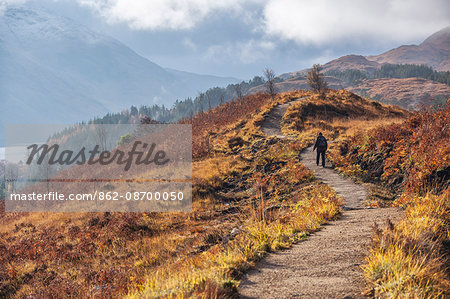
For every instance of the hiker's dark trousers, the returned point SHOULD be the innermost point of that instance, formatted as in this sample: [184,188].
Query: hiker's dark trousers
[320,153]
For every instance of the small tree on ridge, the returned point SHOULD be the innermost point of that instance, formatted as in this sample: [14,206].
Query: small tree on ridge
[270,82]
[316,80]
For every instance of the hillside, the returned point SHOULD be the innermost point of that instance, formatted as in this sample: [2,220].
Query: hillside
[298,82]
[251,195]
[52,66]
[410,93]
[433,51]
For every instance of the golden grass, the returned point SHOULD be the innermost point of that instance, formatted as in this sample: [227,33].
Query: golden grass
[218,269]
[249,128]
[355,125]
[339,112]
[172,254]
[200,254]
[407,261]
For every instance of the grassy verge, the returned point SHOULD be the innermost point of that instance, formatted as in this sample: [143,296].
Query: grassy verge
[216,272]
[410,260]
[277,206]
[411,159]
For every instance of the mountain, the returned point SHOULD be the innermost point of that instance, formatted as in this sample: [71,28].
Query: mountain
[434,51]
[351,62]
[385,78]
[57,71]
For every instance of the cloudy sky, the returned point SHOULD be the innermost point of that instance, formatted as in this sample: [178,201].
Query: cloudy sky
[240,37]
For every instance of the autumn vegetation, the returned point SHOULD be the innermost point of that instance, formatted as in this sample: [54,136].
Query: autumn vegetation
[411,158]
[251,195]
[403,158]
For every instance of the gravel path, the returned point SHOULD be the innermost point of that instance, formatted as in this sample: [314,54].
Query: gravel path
[328,263]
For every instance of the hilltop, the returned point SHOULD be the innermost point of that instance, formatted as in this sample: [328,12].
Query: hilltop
[351,62]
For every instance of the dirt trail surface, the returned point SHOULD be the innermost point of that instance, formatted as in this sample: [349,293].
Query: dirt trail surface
[328,263]
[272,122]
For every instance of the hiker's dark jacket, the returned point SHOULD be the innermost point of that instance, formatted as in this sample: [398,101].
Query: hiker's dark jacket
[321,144]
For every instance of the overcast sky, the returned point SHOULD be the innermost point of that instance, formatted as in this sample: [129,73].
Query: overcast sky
[239,38]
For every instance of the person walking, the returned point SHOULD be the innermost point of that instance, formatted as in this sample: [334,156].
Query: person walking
[321,145]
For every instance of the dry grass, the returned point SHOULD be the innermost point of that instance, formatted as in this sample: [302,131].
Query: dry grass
[353,126]
[412,154]
[239,213]
[410,159]
[337,114]
[320,111]
[248,129]
[241,210]
[409,260]
[215,272]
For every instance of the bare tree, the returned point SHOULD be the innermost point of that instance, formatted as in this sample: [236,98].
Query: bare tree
[316,79]
[269,74]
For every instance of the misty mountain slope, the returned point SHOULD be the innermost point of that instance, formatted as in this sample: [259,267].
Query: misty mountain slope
[201,82]
[54,70]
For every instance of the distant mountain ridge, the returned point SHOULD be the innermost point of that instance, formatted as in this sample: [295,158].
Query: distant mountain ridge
[57,71]
[433,51]
[408,92]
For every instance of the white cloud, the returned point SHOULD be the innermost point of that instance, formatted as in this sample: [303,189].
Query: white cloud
[12,2]
[160,14]
[304,21]
[246,52]
[328,21]
[5,3]
[189,44]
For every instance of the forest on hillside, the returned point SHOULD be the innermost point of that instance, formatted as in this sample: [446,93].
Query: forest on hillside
[186,108]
